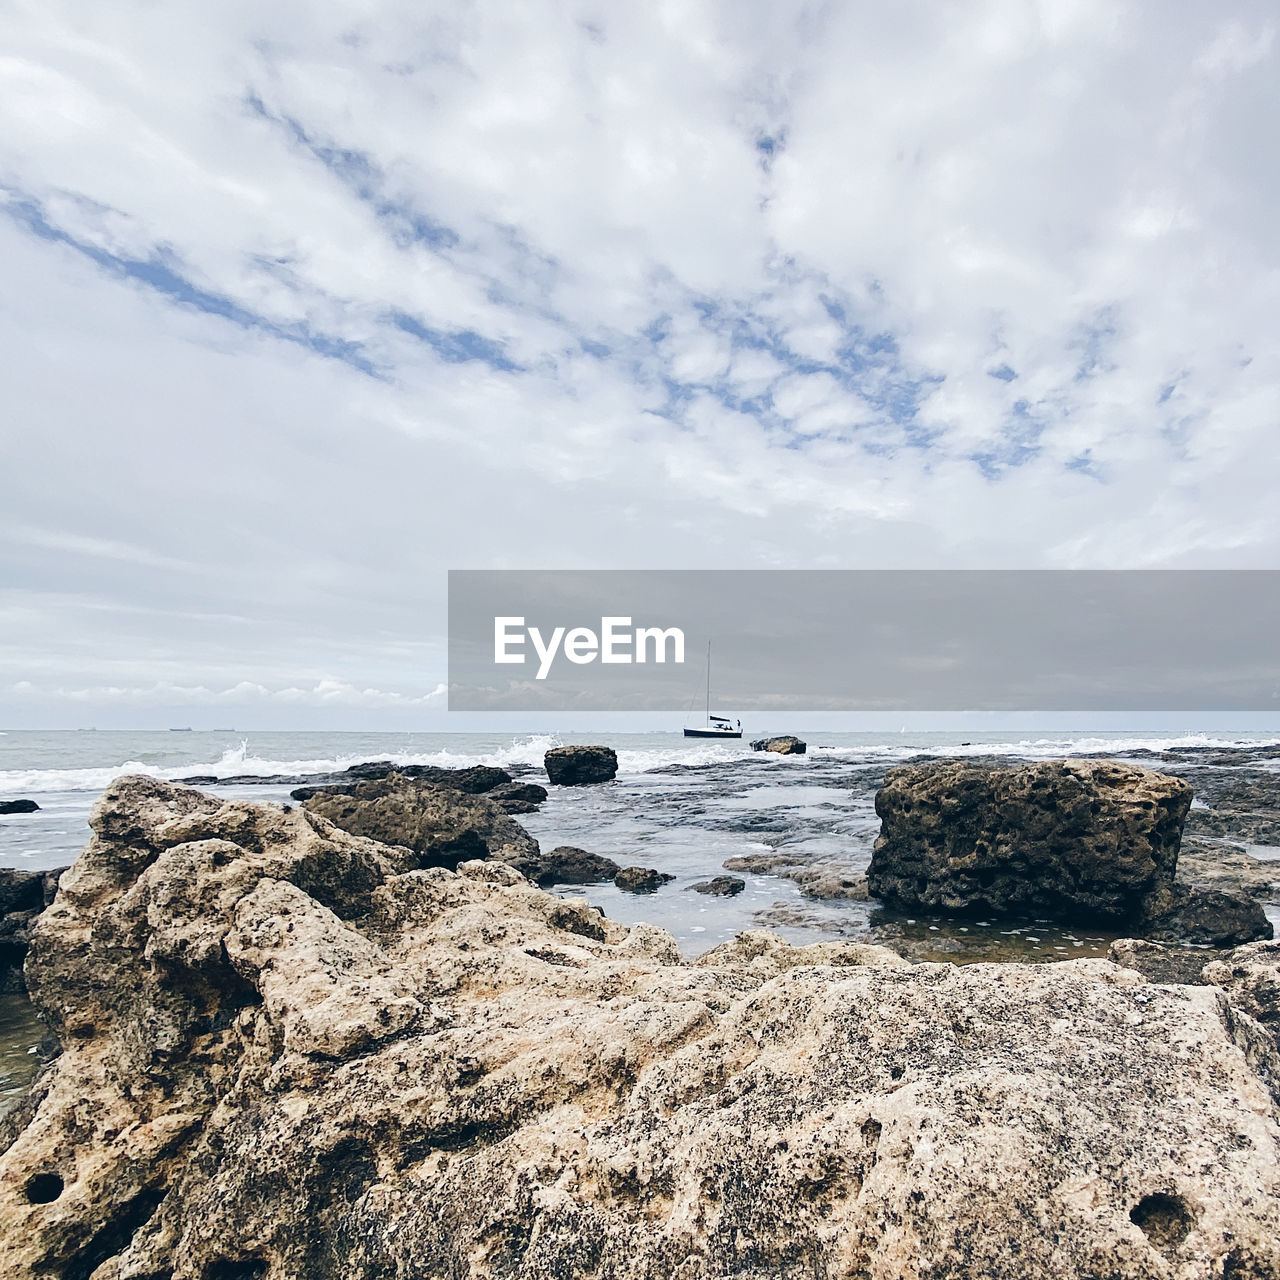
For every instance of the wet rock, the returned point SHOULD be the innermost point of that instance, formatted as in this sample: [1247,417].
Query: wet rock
[830,882]
[1068,840]
[760,863]
[720,886]
[23,896]
[441,825]
[285,1054]
[1159,963]
[477,779]
[783,745]
[518,797]
[567,865]
[18,806]
[1205,917]
[641,879]
[577,766]
[1205,864]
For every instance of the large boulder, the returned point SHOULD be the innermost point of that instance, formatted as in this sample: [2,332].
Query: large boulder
[18,806]
[1080,840]
[784,745]
[442,825]
[285,1054]
[577,766]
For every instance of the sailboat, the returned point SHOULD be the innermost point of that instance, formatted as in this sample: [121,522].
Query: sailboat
[715,726]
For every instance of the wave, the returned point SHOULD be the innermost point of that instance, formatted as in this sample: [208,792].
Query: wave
[1047,748]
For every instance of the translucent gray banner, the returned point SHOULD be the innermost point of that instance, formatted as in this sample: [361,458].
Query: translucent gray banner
[864,640]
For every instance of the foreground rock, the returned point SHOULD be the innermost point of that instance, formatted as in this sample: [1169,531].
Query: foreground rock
[442,825]
[1082,839]
[23,896]
[577,766]
[18,806]
[287,1053]
[784,745]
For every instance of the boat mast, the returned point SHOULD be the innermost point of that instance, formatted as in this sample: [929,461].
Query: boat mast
[708,681]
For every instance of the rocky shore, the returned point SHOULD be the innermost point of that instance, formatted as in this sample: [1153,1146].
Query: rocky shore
[289,1049]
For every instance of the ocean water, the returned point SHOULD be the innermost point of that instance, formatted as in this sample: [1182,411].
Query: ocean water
[64,770]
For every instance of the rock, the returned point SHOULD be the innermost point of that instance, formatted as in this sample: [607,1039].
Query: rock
[1078,840]
[1251,977]
[1203,917]
[18,806]
[476,779]
[575,766]
[1158,963]
[1205,864]
[720,886]
[23,896]
[567,865]
[518,797]
[784,745]
[285,1054]
[829,882]
[441,825]
[641,879]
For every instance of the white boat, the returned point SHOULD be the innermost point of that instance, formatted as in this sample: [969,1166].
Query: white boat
[714,726]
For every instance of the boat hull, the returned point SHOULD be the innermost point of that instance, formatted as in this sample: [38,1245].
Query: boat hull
[711,733]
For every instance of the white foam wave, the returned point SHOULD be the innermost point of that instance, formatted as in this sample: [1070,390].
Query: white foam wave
[1048,748]
[529,750]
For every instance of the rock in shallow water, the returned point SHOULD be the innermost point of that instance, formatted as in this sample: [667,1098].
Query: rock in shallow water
[1075,840]
[641,879]
[784,745]
[567,865]
[720,886]
[288,1055]
[18,806]
[577,766]
[442,825]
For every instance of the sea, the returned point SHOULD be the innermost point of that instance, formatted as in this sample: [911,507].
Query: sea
[681,806]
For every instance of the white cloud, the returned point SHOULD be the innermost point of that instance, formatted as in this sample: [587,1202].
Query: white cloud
[751,285]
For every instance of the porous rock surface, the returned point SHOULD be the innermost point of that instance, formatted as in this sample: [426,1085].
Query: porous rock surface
[1075,839]
[786,744]
[443,825]
[23,896]
[578,766]
[291,1052]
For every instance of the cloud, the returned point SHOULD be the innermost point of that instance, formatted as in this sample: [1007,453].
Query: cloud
[305,305]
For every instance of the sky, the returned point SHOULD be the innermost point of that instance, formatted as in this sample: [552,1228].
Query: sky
[302,305]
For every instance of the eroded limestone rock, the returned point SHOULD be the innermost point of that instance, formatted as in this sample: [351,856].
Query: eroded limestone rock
[290,1052]
[1073,839]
